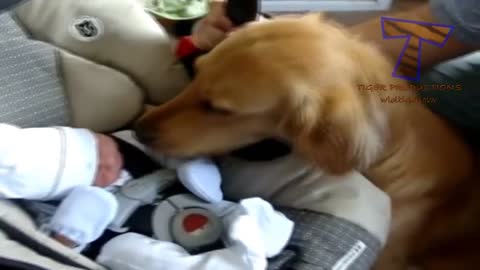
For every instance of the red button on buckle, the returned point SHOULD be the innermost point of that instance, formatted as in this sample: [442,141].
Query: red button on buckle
[194,222]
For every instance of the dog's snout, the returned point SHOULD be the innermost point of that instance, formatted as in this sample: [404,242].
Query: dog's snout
[143,134]
[144,138]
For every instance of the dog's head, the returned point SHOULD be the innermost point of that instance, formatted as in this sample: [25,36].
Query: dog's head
[295,79]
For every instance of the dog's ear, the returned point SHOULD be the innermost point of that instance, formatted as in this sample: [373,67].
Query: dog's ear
[335,131]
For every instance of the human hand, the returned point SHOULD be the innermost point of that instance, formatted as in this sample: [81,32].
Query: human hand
[110,161]
[212,29]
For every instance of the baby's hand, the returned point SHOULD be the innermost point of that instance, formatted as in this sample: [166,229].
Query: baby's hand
[110,161]
[64,240]
[213,28]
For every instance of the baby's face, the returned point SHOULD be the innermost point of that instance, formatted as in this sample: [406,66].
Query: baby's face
[110,161]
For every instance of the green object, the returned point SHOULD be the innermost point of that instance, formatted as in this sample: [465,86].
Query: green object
[178,9]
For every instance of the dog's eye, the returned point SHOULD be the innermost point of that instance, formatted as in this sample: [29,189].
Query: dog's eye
[209,107]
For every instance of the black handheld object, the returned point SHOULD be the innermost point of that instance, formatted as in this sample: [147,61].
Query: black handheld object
[242,11]
[239,12]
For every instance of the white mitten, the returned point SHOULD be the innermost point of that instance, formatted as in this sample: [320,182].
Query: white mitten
[275,228]
[202,177]
[84,214]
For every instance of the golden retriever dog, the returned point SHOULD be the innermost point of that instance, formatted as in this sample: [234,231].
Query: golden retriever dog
[332,97]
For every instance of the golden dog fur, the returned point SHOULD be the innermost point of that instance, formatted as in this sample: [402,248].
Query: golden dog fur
[303,80]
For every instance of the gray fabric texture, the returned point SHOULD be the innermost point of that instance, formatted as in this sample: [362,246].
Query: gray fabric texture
[31,91]
[9,4]
[464,15]
[321,242]
[459,107]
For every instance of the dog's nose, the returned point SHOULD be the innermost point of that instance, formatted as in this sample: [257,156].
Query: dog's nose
[144,138]
[143,135]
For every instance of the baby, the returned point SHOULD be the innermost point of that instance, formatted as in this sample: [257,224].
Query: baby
[67,164]
[79,168]
[69,225]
